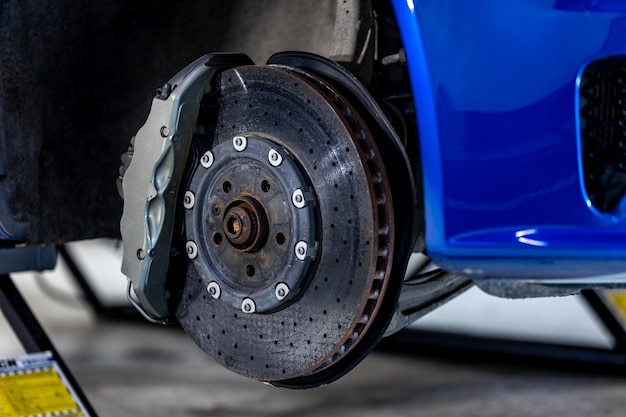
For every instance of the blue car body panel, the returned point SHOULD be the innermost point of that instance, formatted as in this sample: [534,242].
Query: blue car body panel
[495,86]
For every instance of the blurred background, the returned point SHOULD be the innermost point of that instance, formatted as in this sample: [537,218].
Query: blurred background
[140,369]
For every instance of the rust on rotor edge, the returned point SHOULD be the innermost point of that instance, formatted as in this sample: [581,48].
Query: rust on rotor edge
[379,188]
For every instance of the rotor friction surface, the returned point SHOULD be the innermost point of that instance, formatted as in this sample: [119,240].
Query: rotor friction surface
[343,277]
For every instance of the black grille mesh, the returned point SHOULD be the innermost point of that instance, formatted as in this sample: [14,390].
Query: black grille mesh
[603,131]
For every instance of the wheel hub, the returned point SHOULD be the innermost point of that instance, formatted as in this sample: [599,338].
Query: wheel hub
[247,228]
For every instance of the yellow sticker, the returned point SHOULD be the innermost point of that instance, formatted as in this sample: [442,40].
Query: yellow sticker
[29,391]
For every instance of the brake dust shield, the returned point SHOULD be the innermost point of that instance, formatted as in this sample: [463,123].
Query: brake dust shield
[288,220]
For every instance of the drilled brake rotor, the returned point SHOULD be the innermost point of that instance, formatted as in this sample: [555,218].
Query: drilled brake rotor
[288,227]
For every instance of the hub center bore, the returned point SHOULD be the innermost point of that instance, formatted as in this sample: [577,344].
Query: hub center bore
[245,225]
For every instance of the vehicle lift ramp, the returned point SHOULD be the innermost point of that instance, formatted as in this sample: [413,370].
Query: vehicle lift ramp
[42,370]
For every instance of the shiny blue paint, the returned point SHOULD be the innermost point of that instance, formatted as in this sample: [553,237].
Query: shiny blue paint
[496,87]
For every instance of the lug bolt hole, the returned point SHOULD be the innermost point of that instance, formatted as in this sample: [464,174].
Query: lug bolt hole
[265,186]
[217,210]
[227,186]
[280,238]
[250,271]
[217,238]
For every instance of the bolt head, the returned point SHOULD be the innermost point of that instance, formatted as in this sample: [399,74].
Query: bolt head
[240,143]
[248,306]
[281,291]
[206,160]
[297,198]
[192,249]
[274,158]
[214,289]
[301,250]
[189,200]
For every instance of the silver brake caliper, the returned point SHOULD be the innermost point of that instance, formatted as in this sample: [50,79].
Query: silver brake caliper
[151,181]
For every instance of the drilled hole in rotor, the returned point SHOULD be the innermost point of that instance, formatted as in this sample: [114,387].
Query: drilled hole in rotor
[280,238]
[250,271]
[217,238]
[265,186]
[227,186]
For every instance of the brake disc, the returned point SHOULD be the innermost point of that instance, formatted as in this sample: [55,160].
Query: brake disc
[289,232]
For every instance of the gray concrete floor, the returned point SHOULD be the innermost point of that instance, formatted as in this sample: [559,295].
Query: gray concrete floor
[131,369]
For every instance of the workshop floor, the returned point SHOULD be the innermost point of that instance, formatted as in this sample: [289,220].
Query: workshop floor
[136,369]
